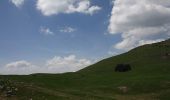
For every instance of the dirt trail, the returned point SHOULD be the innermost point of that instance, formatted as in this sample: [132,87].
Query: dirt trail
[52,92]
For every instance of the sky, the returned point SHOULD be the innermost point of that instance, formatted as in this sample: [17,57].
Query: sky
[57,36]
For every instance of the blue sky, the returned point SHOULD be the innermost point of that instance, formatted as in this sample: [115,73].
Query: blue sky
[21,37]
[37,31]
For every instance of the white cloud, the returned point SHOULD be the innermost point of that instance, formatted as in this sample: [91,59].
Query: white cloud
[21,63]
[19,67]
[113,53]
[67,64]
[67,30]
[54,65]
[54,7]
[46,31]
[142,42]
[140,22]
[18,3]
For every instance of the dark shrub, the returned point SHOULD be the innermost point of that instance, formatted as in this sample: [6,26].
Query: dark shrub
[123,68]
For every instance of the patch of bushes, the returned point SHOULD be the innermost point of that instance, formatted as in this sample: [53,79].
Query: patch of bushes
[123,68]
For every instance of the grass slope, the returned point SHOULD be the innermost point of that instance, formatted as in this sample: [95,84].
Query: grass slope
[148,80]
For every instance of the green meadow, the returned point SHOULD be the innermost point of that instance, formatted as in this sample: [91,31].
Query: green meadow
[149,79]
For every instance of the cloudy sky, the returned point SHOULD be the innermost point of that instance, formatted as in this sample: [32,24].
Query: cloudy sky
[57,36]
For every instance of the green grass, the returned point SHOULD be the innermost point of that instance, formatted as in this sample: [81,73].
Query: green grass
[148,80]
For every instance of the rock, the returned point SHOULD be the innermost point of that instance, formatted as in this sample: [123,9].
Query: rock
[123,89]
[1,87]
[16,89]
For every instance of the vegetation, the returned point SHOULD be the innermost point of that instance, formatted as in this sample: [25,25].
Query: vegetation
[122,68]
[149,79]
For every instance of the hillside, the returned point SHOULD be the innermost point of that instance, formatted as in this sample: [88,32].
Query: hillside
[149,79]
[151,54]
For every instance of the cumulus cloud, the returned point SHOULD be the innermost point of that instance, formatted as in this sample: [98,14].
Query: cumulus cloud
[21,63]
[142,42]
[56,64]
[67,30]
[54,7]
[19,67]
[69,63]
[46,31]
[18,3]
[140,22]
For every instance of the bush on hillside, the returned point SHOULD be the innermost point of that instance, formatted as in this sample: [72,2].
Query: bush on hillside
[123,68]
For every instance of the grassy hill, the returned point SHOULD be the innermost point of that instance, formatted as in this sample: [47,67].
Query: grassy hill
[149,79]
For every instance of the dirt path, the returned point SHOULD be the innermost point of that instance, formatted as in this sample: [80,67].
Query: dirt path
[52,92]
